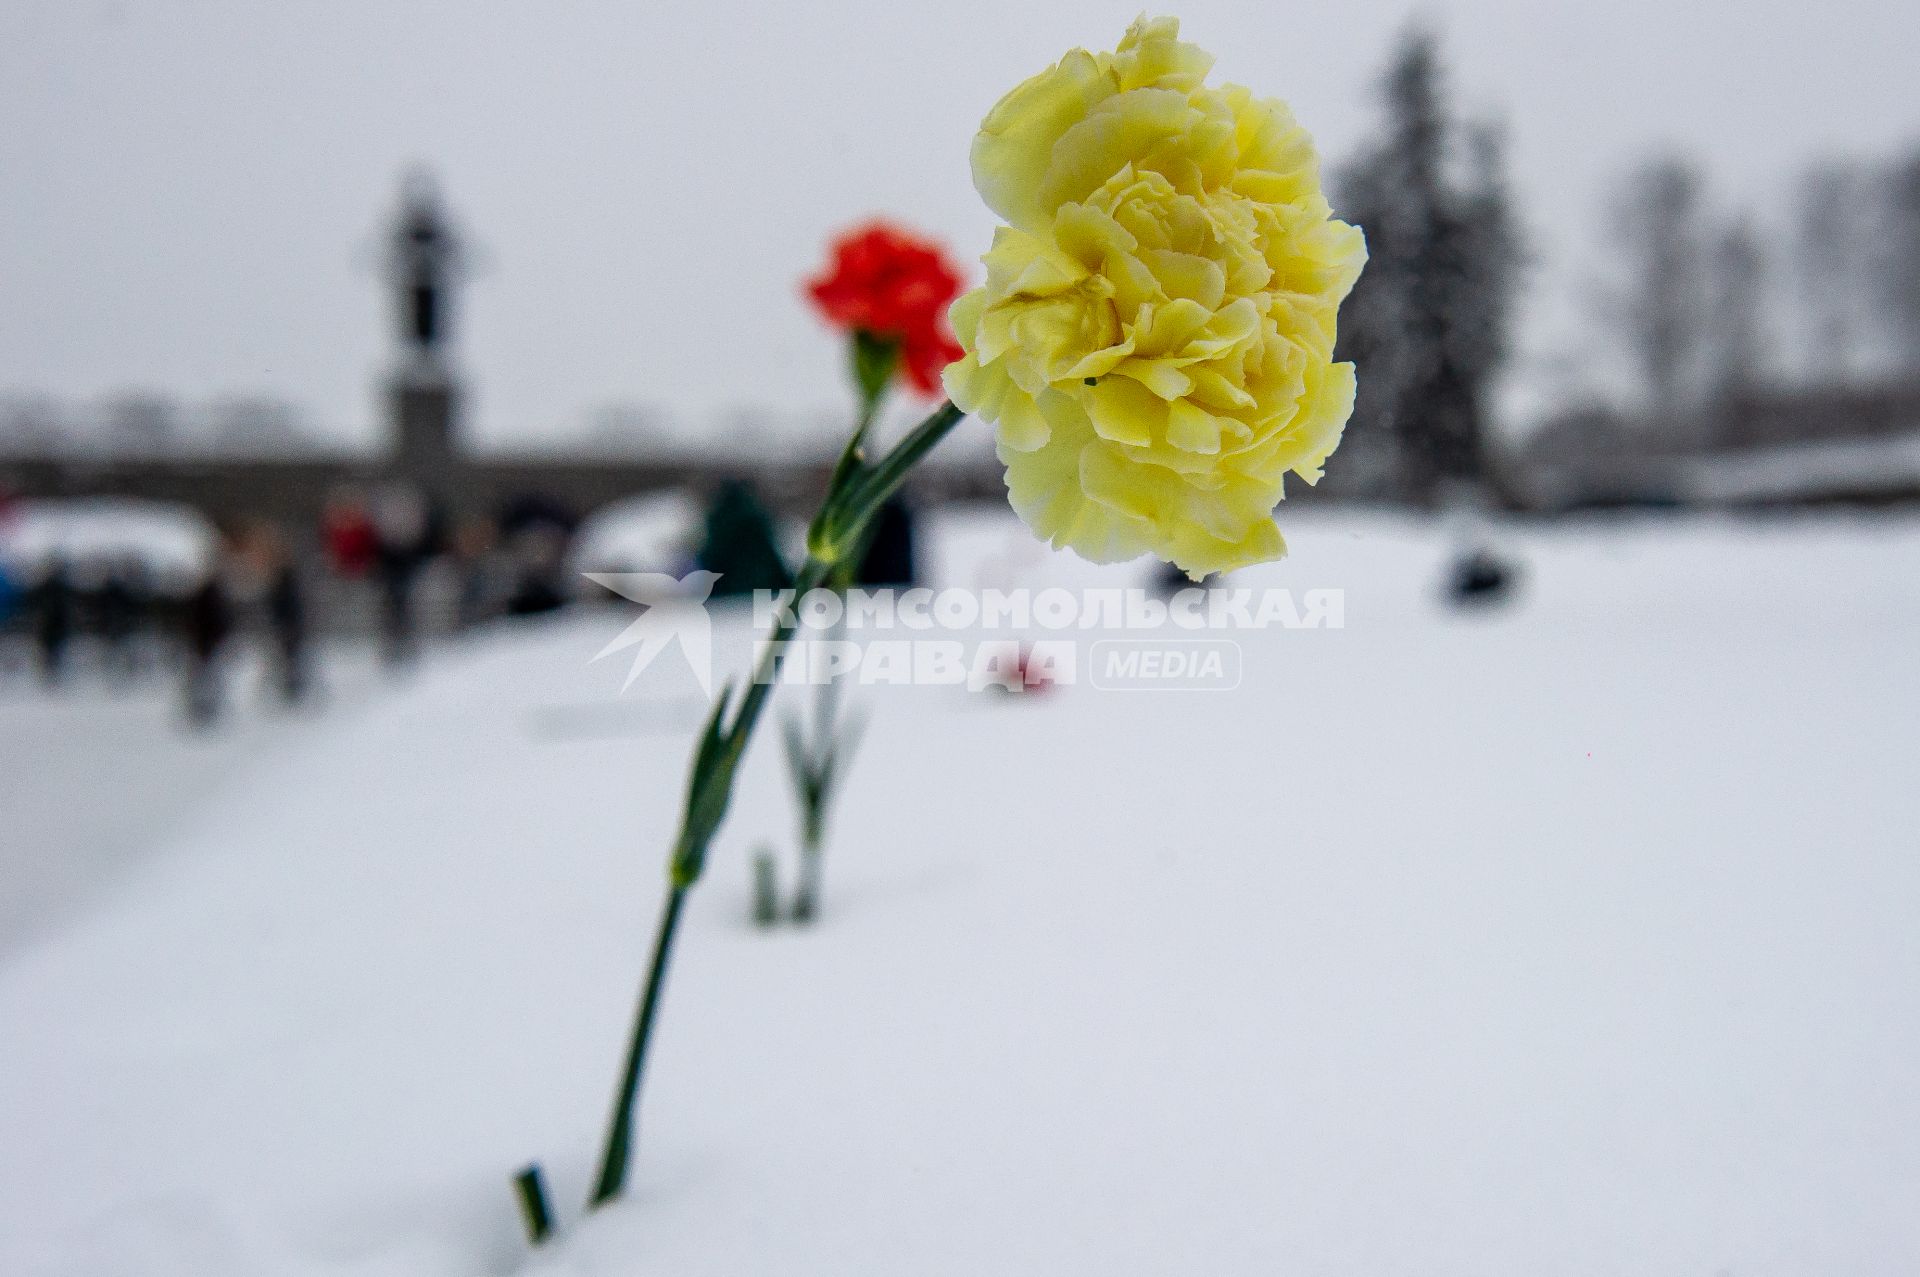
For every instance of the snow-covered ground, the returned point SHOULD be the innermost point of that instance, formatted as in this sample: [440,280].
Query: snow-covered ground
[1573,938]
[98,774]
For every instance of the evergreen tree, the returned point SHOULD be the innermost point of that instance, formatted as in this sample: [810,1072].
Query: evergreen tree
[741,545]
[1429,324]
[1832,247]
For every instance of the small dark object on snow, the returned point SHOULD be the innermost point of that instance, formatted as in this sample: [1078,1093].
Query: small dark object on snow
[1169,580]
[1481,579]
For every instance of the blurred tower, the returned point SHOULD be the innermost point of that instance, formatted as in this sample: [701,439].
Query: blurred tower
[423,263]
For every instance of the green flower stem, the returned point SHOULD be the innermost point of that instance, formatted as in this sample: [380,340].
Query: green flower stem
[855,493]
[806,894]
[874,360]
[813,575]
[817,768]
[619,1150]
[844,514]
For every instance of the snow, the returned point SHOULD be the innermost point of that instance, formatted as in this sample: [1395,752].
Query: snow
[654,533]
[1575,937]
[122,739]
[172,540]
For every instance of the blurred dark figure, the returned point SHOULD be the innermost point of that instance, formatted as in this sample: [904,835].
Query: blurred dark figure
[206,622]
[889,560]
[537,531]
[51,602]
[1481,579]
[11,599]
[536,594]
[286,607]
[121,608]
[538,555]
[404,541]
[740,544]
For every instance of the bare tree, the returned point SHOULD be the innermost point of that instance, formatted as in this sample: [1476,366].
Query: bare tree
[1736,345]
[1658,220]
[141,423]
[1494,259]
[33,425]
[1899,271]
[1832,246]
[255,425]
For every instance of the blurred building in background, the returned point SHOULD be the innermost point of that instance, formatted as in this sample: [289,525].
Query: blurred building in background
[254,459]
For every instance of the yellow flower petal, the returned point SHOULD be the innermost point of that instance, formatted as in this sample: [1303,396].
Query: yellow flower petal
[1192,429]
[1155,336]
[1124,411]
[1014,149]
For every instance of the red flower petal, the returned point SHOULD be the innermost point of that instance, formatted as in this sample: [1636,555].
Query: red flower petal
[889,282]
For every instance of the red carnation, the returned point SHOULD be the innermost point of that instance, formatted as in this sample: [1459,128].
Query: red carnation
[892,284]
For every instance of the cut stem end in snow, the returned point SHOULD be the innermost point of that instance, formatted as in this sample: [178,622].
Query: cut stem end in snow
[536,1210]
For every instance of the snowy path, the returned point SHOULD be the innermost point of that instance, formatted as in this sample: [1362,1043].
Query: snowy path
[1576,939]
[97,774]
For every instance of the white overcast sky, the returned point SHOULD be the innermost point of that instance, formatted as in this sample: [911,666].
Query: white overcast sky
[192,189]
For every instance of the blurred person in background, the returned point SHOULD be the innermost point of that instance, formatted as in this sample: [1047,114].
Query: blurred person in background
[10,600]
[484,580]
[51,601]
[404,536]
[539,554]
[285,603]
[347,530]
[206,621]
[121,606]
[536,531]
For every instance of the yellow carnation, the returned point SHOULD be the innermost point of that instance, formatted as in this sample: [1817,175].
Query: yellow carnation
[1155,337]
